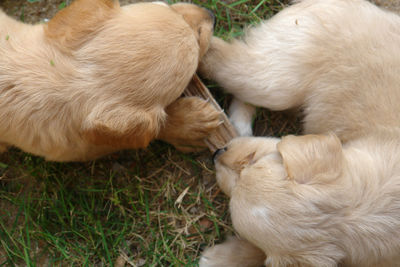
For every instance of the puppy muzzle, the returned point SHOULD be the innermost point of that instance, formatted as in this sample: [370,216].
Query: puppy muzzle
[218,153]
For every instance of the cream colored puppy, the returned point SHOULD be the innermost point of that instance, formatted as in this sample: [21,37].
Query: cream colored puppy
[332,196]
[99,77]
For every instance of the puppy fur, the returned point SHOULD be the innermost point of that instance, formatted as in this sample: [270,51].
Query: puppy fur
[331,196]
[99,77]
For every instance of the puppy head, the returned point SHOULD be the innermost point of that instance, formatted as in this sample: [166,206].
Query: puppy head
[310,159]
[200,20]
[240,153]
[69,31]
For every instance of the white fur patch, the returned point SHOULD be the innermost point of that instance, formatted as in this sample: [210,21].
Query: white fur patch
[160,3]
[260,212]
[241,116]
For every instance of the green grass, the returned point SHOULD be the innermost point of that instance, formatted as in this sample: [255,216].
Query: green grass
[155,207]
[125,205]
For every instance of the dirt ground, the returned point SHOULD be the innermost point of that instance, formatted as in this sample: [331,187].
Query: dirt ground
[393,5]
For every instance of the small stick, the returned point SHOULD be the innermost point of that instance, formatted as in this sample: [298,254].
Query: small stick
[225,132]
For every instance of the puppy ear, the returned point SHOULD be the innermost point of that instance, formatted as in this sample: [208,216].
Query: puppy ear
[122,127]
[245,161]
[75,24]
[201,22]
[311,158]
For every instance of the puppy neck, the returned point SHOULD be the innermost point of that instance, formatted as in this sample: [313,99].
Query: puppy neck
[370,163]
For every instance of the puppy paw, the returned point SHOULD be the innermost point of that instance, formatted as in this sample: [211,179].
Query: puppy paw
[190,120]
[243,129]
[234,252]
[241,115]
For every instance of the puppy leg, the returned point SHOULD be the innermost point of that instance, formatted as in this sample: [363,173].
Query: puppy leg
[234,252]
[189,121]
[241,116]
[256,75]
[122,127]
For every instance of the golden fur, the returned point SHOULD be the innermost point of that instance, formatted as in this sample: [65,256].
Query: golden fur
[332,196]
[99,77]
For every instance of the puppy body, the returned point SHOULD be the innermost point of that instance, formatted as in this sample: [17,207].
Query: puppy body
[308,201]
[98,77]
[333,56]
[311,201]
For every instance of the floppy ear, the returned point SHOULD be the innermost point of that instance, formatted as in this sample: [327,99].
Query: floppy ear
[245,161]
[311,158]
[200,20]
[122,127]
[75,24]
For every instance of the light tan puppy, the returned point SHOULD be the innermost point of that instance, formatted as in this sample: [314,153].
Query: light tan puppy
[322,199]
[99,77]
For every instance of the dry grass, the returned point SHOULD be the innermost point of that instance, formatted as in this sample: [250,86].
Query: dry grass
[156,207]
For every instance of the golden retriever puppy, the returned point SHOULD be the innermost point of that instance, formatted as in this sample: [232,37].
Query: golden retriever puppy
[332,196]
[99,77]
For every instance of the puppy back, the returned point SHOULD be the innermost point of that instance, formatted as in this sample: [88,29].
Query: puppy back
[75,24]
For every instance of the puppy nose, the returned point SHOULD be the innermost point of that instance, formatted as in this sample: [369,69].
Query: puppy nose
[212,16]
[218,153]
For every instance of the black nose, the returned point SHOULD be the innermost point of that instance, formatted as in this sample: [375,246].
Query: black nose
[218,153]
[212,16]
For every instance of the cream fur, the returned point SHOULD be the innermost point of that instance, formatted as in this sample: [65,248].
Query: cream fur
[241,115]
[98,78]
[332,196]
